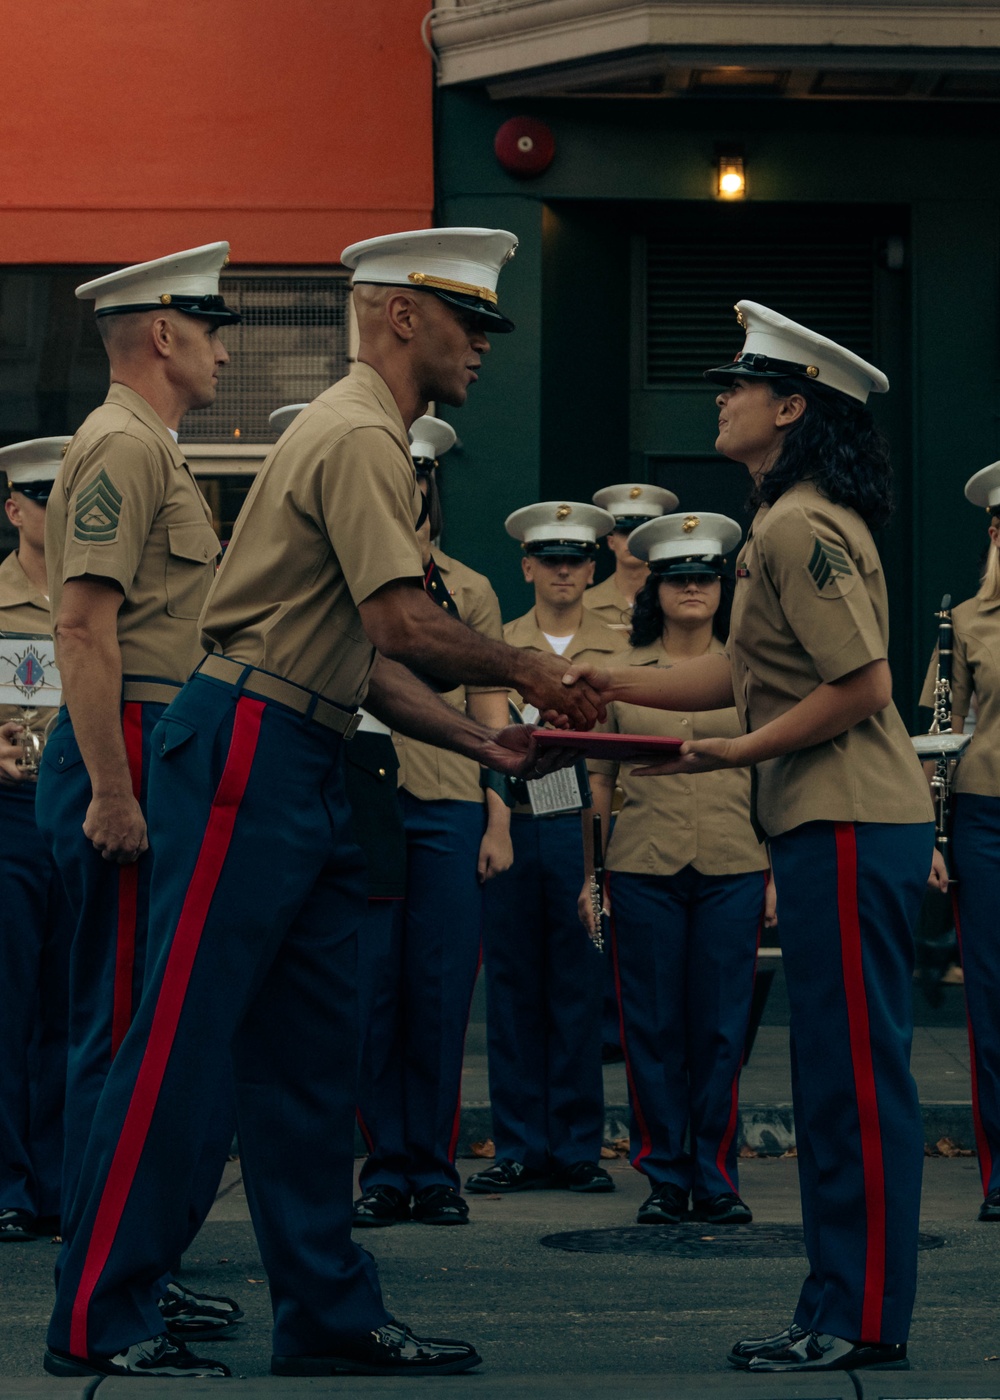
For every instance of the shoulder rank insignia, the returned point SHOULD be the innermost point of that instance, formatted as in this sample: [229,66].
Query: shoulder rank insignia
[98,510]
[830,569]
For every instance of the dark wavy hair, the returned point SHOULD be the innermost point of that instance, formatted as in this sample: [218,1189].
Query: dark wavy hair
[836,446]
[647,615]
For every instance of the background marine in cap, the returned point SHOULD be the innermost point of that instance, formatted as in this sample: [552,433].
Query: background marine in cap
[131,553]
[631,503]
[36,920]
[317,603]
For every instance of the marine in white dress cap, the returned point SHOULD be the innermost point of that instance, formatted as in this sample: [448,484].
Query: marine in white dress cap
[776,347]
[459,265]
[31,466]
[430,439]
[553,529]
[633,502]
[283,418]
[186,281]
[692,543]
[983,489]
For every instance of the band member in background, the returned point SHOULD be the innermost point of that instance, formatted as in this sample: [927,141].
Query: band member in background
[975,831]
[258,884]
[36,922]
[457,838]
[687,889]
[131,554]
[841,796]
[631,503]
[544,976]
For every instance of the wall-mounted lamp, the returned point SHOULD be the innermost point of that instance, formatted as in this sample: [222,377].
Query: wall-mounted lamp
[731,176]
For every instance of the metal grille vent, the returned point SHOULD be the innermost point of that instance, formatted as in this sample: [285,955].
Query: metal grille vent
[692,284]
[291,346]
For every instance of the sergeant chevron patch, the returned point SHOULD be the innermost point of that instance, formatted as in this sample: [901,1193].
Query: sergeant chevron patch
[98,508]
[830,569]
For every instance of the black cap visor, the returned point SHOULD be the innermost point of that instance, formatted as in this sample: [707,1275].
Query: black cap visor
[759,367]
[625,524]
[487,314]
[213,308]
[561,549]
[709,565]
[39,491]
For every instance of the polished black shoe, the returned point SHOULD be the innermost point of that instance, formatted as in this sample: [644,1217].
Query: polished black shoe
[507,1176]
[743,1352]
[586,1177]
[17,1226]
[990,1208]
[724,1209]
[194,1316]
[666,1206]
[159,1356]
[391,1350]
[821,1351]
[440,1205]
[382,1205]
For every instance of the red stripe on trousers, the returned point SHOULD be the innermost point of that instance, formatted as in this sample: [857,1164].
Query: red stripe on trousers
[644,1134]
[453,1144]
[982,1142]
[128,892]
[734,1094]
[169,1005]
[859,1033]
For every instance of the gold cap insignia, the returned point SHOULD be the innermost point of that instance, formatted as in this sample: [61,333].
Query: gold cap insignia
[64,449]
[635,493]
[225,261]
[740,317]
[812,371]
[691,523]
[563,511]
[166,298]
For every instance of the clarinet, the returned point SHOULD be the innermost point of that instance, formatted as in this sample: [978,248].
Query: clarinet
[597,889]
[949,747]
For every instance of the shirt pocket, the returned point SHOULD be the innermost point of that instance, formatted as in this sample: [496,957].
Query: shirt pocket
[192,550]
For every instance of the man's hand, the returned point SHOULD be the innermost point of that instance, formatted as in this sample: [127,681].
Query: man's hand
[10,752]
[116,827]
[568,704]
[770,905]
[496,854]
[938,878]
[514,751]
[697,756]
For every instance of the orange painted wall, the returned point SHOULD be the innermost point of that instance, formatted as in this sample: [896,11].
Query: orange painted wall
[132,127]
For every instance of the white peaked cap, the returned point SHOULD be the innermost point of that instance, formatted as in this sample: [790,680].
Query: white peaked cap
[983,489]
[552,522]
[635,500]
[695,537]
[776,347]
[283,418]
[187,281]
[460,265]
[37,459]
[431,438]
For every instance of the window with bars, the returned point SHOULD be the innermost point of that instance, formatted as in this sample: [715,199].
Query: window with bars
[692,282]
[292,344]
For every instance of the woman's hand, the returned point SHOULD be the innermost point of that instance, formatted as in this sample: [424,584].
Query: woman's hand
[585,908]
[496,853]
[938,878]
[10,752]
[697,756]
[770,905]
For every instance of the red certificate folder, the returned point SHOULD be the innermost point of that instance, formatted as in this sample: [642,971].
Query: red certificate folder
[620,748]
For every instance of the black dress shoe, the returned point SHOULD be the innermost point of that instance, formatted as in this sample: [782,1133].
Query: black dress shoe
[743,1352]
[990,1208]
[17,1226]
[440,1205]
[667,1204]
[382,1205]
[196,1316]
[391,1350]
[159,1356]
[821,1351]
[586,1177]
[507,1176]
[724,1209]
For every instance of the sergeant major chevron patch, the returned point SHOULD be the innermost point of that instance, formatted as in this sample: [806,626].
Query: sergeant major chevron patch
[98,508]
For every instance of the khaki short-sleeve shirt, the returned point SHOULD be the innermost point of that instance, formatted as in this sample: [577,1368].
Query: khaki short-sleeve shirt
[126,507]
[434,774]
[810,607]
[975,671]
[23,609]
[328,522]
[612,607]
[668,823]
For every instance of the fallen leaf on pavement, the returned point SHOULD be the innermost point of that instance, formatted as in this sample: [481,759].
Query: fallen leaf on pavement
[483,1149]
[949,1148]
[792,1152]
[607,1153]
[746,1152]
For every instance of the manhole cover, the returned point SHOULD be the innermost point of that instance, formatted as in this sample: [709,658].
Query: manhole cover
[696,1241]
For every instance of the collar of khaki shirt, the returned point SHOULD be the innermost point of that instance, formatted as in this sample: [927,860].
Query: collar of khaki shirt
[17,587]
[125,397]
[591,635]
[655,655]
[371,380]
